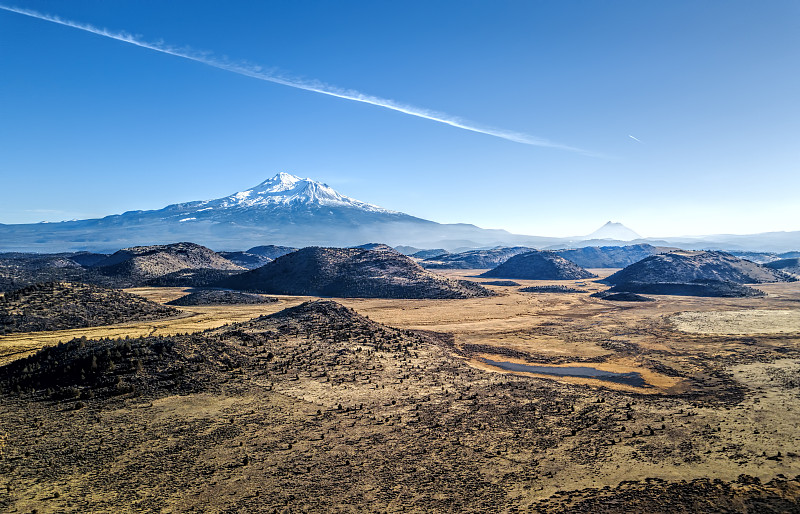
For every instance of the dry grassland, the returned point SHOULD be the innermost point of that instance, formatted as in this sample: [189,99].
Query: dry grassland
[722,398]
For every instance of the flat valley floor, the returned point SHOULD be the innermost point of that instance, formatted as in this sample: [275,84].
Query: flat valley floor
[427,424]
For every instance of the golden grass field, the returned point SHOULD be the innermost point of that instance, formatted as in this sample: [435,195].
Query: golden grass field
[561,329]
[722,387]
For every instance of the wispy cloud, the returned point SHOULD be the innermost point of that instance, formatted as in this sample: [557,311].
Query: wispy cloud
[258,72]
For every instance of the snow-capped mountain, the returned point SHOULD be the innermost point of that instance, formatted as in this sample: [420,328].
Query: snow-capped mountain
[285,189]
[292,211]
[283,199]
[284,209]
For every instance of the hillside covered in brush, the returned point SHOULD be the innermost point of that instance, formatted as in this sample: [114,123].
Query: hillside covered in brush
[64,305]
[351,273]
[137,265]
[18,270]
[791,265]
[683,267]
[257,256]
[539,265]
[220,297]
[475,259]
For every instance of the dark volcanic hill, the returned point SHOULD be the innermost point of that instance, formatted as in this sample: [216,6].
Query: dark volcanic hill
[87,259]
[139,264]
[429,254]
[62,305]
[19,270]
[220,297]
[257,256]
[788,265]
[245,259]
[539,265]
[351,272]
[377,246]
[202,277]
[271,251]
[475,259]
[609,256]
[621,296]
[696,266]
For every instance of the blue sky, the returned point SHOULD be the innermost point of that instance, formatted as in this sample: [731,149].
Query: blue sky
[90,126]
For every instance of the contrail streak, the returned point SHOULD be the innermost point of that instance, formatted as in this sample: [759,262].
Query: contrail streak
[250,70]
[634,138]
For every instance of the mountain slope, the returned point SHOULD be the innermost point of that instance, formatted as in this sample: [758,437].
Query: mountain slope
[351,272]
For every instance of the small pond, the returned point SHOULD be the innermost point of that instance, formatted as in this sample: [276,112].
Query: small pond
[633,378]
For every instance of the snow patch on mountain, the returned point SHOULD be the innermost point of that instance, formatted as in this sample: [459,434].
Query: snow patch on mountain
[288,190]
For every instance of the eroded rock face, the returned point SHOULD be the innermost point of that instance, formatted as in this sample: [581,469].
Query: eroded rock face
[351,273]
[539,265]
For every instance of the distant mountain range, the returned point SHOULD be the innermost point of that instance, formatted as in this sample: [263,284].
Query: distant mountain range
[283,210]
[297,212]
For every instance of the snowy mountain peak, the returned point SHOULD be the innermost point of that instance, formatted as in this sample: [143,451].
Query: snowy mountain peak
[614,230]
[280,182]
[285,189]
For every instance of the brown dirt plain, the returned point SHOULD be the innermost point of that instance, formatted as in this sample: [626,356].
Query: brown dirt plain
[721,400]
